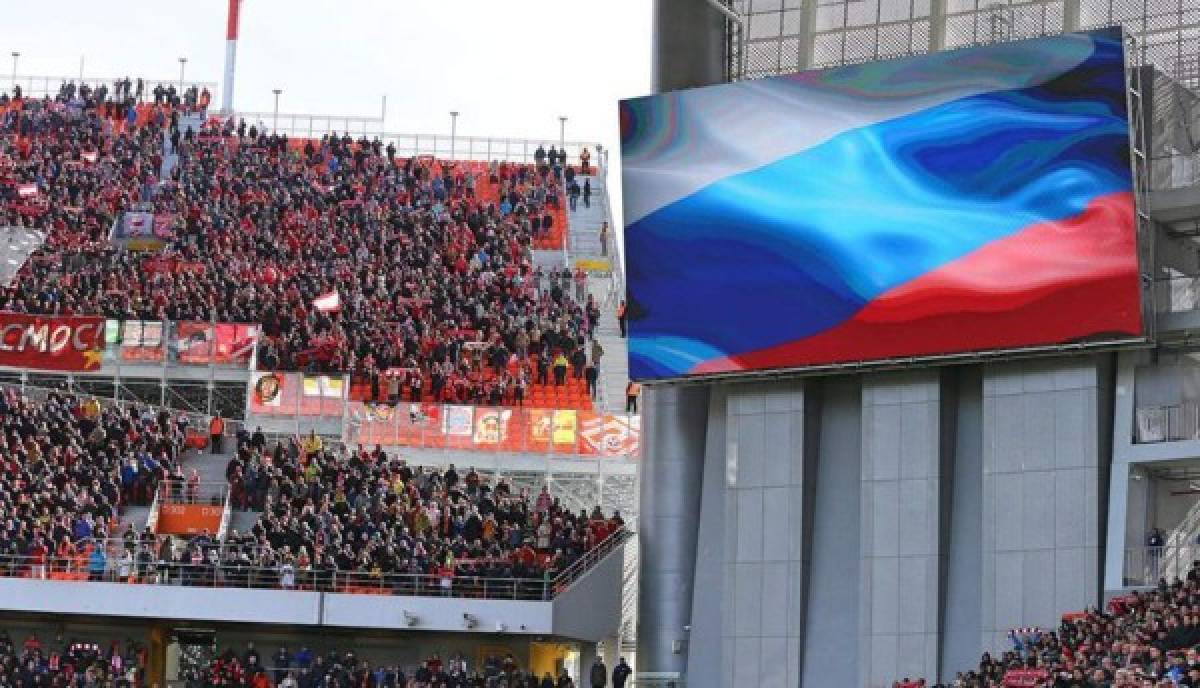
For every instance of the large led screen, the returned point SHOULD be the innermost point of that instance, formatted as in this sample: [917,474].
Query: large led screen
[978,200]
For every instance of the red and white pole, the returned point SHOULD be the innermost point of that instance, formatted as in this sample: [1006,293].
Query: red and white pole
[231,37]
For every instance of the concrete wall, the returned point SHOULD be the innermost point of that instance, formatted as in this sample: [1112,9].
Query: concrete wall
[589,611]
[1042,478]
[831,644]
[901,540]
[853,530]
[763,505]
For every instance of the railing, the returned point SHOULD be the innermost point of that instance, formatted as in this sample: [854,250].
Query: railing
[187,492]
[441,146]
[1147,565]
[1177,294]
[1167,423]
[285,577]
[147,568]
[1177,171]
[583,564]
[33,85]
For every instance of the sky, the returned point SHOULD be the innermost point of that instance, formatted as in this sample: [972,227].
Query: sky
[510,68]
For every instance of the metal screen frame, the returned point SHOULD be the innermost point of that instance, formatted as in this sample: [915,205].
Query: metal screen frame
[784,36]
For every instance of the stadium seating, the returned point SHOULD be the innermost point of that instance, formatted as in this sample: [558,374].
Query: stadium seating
[1145,639]
[369,516]
[305,667]
[431,262]
[333,519]
[70,662]
[68,467]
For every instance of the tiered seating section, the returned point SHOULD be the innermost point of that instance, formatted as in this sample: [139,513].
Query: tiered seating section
[373,517]
[1144,639]
[70,661]
[332,519]
[68,466]
[431,261]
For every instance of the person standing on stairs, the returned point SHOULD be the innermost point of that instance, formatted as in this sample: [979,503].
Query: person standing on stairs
[587,193]
[632,391]
[604,239]
[621,317]
[216,433]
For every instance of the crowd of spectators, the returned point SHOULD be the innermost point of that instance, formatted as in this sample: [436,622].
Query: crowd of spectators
[305,668]
[432,262]
[67,467]
[364,519]
[1146,639]
[73,662]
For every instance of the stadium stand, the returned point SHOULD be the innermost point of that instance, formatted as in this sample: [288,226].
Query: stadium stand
[415,275]
[70,662]
[347,668]
[355,521]
[68,468]
[1143,639]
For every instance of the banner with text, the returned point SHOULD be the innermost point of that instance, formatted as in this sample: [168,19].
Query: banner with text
[73,343]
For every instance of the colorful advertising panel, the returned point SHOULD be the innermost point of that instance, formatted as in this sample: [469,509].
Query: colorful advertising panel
[977,200]
[72,343]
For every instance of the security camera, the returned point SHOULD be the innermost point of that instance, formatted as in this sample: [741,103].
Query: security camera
[470,621]
[687,628]
[522,627]
[500,627]
[410,619]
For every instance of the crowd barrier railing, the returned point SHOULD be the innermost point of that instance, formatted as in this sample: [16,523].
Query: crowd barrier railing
[141,562]
[1172,423]
[38,86]
[407,145]
[1175,171]
[1145,566]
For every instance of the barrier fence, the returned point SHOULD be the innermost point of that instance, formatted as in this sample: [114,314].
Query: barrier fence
[39,86]
[1167,423]
[141,562]
[1147,565]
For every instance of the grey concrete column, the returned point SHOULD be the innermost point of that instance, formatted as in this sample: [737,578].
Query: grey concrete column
[1045,467]
[830,649]
[761,524]
[937,25]
[689,45]
[673,443]
[901,497]
[962,605]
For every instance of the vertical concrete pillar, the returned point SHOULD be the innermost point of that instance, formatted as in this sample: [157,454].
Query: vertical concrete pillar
[1045,466]
[901,543]
[673,427]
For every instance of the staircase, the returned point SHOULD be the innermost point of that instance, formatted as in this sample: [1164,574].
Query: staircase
[586,221]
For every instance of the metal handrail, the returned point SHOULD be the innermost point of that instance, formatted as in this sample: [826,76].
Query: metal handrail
[157,572]
[592,556]
[1145,566]
[51,84]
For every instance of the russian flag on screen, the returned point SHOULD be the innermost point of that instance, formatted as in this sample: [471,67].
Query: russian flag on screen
[971,200]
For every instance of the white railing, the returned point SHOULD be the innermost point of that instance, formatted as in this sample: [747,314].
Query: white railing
[441,146]
[1147,565]
[1173,423]
[38,86]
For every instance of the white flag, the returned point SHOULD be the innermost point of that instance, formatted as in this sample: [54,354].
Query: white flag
[328,302]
